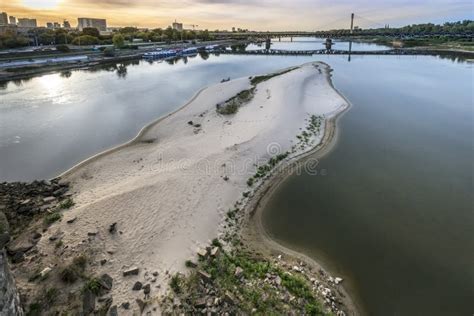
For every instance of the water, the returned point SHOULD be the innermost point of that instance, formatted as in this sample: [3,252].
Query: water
[314,43]
[393,216]
[50,123]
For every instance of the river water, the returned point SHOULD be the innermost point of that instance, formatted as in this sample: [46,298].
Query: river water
[393,213]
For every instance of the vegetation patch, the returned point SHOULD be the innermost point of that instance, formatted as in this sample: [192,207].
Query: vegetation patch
[51,218]
[75,270]
[232,105]
[238,282]
[259,79]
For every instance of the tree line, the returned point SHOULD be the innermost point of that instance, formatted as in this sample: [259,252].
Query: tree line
[92,36]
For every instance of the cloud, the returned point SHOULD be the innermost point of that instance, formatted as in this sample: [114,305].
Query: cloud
[252,14]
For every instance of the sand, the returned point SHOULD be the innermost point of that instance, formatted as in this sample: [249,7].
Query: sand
[168,190]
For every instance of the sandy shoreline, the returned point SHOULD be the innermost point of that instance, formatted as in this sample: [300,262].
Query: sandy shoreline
[170,187]
[254,232]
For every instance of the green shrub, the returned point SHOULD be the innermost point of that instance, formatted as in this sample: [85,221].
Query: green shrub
[93,285]
[175,283]
[66,204]
[51,218]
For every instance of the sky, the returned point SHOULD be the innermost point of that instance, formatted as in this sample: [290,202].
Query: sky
[290,15]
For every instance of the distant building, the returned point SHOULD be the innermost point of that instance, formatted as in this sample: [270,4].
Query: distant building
[49,25]
[177,26]
[25,22]
[100,24]
[66,24]
[233,29]
[3,18]
[12,20]
[12,29]
[56,25]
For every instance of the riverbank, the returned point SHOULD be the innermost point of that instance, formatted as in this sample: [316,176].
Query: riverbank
[167,193]
[94,58]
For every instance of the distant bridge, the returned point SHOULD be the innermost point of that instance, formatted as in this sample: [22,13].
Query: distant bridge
[392,52]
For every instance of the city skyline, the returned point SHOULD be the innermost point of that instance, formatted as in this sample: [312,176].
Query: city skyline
[251,14]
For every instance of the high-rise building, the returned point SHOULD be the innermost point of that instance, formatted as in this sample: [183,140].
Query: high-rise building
[66,24]
[3,18]
[177,26]
[100,24]
[12,20]
[25,22]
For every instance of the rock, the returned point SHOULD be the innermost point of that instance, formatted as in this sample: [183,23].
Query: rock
[18,257]
[229,298]
[36,235]
[88,302]
[141,304]
[21,247]
[45,272]
[204,276]
[131,271]
[4,239]
[200,302]
[113,311]
[297,269]
[71,220]
[137,286]
[155,273]
[337,280]
[91,233]
[113,228]
[103,261]
[215,252]
[125,305]
[238,272]
[106,281]
[278,280]
[49,199]
[147,289]
[202,253]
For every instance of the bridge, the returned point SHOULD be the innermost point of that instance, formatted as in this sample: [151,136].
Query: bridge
[392,52]
[327,33]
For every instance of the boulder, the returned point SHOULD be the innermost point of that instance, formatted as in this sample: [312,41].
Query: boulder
[137,286]
[45,272]
[200,302]
[147,289]
[88,302]
[206,277]
[113,311]
[106,281]
[215,252]
[131,271]
[113,228]
[238,272]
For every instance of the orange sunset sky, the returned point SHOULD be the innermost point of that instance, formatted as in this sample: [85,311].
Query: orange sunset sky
[252,14]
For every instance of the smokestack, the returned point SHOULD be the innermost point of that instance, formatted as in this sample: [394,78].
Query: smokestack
[352,23]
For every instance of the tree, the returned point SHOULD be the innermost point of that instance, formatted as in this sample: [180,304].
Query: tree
[118,40]
[92,31]
[85,40]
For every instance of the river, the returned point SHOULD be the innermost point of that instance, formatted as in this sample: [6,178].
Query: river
[393,213]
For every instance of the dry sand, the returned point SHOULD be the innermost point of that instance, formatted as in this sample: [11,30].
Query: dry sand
[166,189]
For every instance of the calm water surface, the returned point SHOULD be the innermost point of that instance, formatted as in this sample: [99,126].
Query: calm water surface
[393,215]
